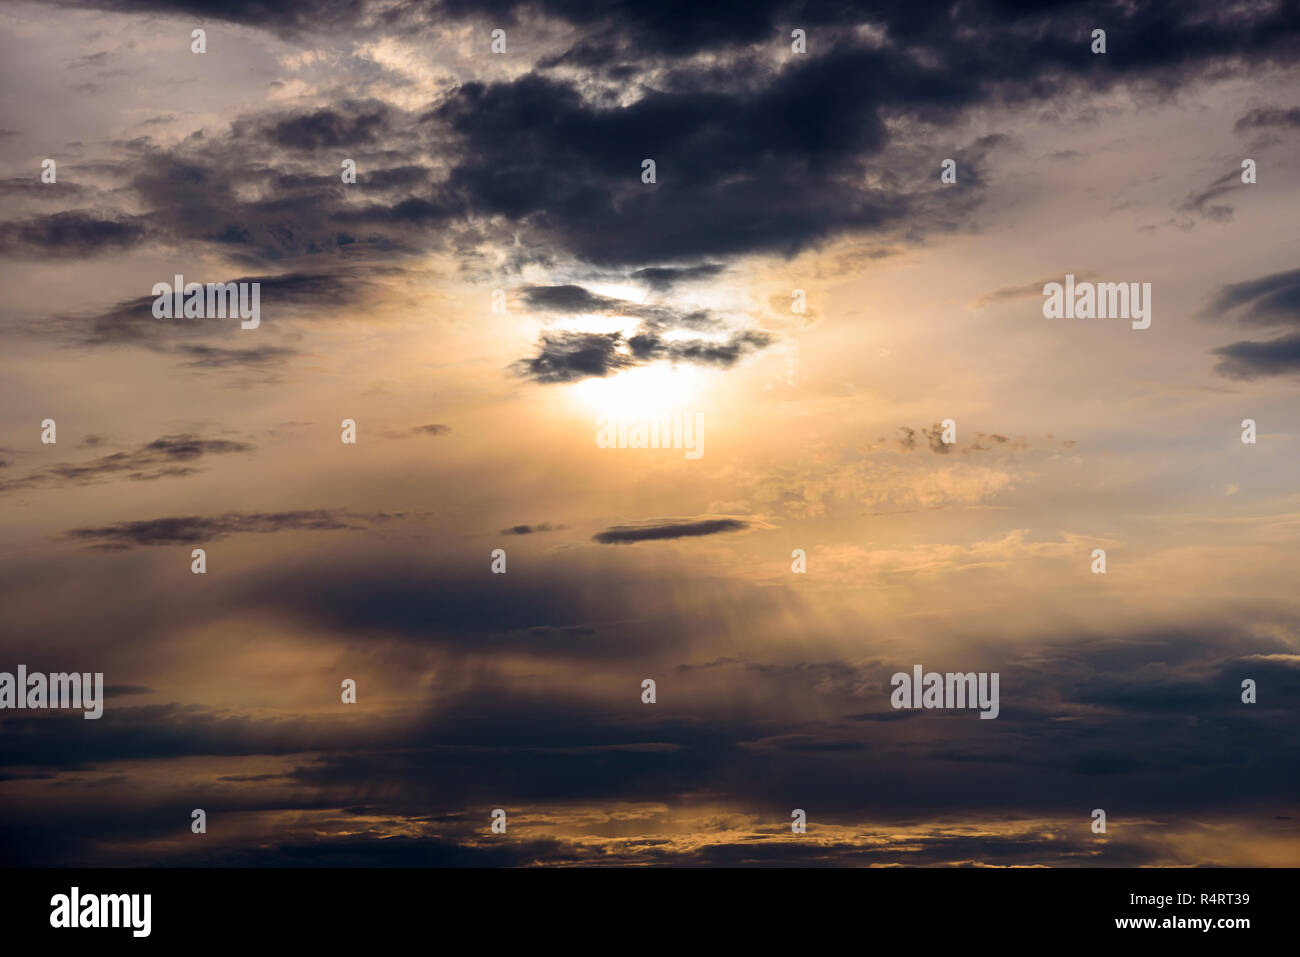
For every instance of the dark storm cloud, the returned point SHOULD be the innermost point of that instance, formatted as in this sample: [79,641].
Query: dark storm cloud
[1128,700]
[292,16]
[569,299]
[132,322]
[700,352]
[678,30]
[550,749]
[251,196]
[169,731]
[993,34]
[31,187]
[454,846]
[753,157]
[661,529]
[75,235]
[393,177]
[350,125]
[583,603]
[193,529]
[982,36]
[431,603]
[665,277]
[1272,300]
[781,164]
[1007,850]
[781,160]
[568,631]
[367,584]
[1269,116]
[1252,360]
[772,170]
[571,356]
[1215,692]
[382,850]
[1126,742]
[170,456]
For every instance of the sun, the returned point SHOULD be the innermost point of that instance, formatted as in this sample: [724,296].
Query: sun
[660,388]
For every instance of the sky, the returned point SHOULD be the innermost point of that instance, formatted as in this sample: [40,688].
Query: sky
[892,456]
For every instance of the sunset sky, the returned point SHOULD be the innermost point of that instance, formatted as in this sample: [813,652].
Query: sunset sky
[775,172]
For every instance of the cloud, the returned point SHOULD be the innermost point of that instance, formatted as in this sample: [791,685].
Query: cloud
[571,356]
[1057,704]
[572,299]
[742,156]
[1269,116]
[661,529]
[170,456]
[566,356]
[522,690]
[786,153]
[72,235]
[216,357]
[1272,300]
[132,322]
[977,37]
[664,277]
[431,602]
[1252,360]
[996,440]
[1026,290]
[1199,202]
[433,429]
[194,529]
[532,529]
[353,125]
[245,195]
[793,154]
[935,436]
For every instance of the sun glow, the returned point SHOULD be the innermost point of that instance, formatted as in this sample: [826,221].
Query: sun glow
[660,388]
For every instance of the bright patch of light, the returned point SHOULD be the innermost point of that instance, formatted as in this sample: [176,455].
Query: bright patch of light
[603,325]
[657,389]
